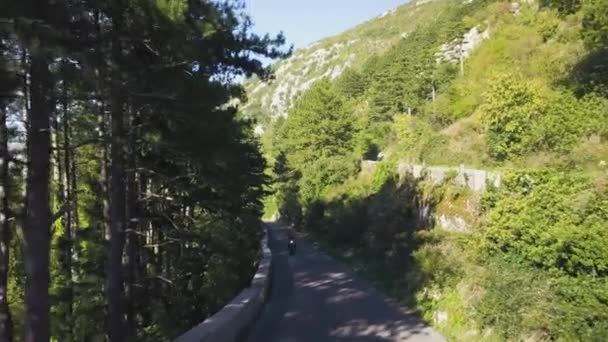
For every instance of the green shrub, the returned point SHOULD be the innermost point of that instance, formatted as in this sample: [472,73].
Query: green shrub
[525,117]
[553,220]
[581,310]
[545,232]
[520,301]
[345,221]
[517,301]
[510,105]
[386,172]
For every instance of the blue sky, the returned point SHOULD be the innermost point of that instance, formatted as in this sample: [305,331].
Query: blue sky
[306,21]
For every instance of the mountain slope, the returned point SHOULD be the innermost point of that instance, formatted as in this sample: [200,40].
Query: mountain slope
[526,261]
[331,56]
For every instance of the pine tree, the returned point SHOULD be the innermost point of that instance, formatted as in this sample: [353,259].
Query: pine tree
[132,146]
[8,84]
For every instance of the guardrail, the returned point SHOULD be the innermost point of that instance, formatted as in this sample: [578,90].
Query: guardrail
[234,320]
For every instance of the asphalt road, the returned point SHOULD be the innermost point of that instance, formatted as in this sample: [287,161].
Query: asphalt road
[316,299]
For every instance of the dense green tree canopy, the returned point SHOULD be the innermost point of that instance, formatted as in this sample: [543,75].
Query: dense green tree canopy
[142,186]
[317,138]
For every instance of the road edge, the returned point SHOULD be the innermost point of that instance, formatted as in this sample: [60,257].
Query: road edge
[234,320]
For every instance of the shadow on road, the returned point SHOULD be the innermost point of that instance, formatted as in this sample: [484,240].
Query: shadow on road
[314,298]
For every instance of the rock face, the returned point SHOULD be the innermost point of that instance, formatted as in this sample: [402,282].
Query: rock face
[461,47]
[331,56]
[440,317]
[293,80]
[452,223]
[450,219]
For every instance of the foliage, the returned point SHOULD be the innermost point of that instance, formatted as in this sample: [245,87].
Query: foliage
[554,221]
[563,6]
[545,230]
[155,184]
[414,136]
[351,83]
[523,117]
[384,174]
[533,93]
[317,141]
[516,301]
[510,105]
[595,24]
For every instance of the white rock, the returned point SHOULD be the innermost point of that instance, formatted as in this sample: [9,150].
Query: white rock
[453,223]
[258,130]
[452,51]
[440,317]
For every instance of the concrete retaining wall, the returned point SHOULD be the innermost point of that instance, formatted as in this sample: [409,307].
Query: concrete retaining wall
[476,180]
[232,322]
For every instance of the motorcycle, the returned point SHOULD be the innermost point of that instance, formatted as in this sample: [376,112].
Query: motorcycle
[291,246]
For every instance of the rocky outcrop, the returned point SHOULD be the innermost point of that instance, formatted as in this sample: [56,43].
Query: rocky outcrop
[297,74]
[459,215]
[331,56]
[453,223]
[461,47]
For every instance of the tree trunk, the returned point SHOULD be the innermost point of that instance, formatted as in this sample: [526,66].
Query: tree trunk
[104,175]
[133,223]
[68,218]
[6,321]
[117,226]
[72,180]
[132,245]
[104,179]
[37,220]
[116,303]
[61,196]
[25,111]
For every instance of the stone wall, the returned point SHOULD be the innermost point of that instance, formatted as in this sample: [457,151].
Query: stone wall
[476,180]
[232,322]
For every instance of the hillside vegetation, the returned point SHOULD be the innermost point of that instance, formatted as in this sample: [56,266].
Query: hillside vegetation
[527,97]
[331,57]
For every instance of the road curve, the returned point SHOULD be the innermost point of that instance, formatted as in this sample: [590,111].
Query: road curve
[316,299]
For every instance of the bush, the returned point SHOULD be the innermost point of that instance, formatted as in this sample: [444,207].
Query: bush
[415,137]
[552,220]
[520,301]
[581,310]
[524,116]
[345,221]
[517,300]
[386,172]
[510,105]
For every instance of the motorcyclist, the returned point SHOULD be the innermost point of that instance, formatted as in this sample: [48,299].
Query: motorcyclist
[291,242]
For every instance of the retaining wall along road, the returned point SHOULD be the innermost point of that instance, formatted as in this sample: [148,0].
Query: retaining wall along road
[476,180]
[232,322]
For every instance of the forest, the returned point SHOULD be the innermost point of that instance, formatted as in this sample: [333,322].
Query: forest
[530,102]
[129,183]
